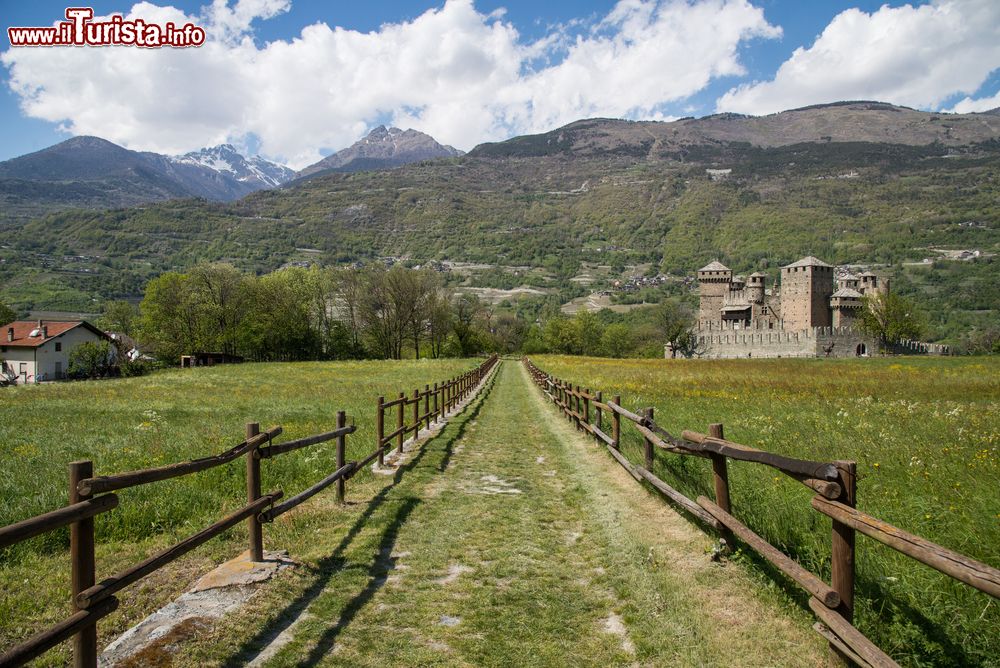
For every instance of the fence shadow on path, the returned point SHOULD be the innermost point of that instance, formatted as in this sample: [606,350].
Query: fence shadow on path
[441,446]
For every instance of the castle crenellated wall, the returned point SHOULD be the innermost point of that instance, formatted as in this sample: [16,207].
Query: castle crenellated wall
[814,342]
[907,347]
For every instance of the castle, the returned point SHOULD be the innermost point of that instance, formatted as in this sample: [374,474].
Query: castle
[812,314]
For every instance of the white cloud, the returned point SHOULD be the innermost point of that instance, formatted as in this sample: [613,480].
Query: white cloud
[914,56]
[460,75]
[969,105]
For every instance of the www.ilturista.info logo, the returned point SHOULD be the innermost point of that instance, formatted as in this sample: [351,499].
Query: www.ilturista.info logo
[81,30]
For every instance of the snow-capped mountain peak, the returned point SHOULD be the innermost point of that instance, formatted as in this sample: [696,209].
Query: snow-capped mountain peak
[224,158]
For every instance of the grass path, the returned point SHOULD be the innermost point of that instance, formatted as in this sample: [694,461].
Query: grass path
[510,540]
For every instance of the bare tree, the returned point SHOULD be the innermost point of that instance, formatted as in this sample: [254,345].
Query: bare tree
[439,320]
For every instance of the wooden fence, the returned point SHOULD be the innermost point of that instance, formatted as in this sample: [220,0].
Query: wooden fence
[834,485]
[436,402]
[91,495]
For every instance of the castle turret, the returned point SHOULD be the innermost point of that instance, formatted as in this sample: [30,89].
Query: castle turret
[806,289]
[845,304]
[755,288]
[713,287]
[848,281]
[870,283]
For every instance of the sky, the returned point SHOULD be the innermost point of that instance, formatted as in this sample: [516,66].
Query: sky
[295,80]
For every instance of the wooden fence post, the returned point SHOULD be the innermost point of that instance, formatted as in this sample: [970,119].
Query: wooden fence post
[616,425]
[578,408]
[399,421]
[842,543]
[720,473]
[253,493]
[586,406]
[380,430]
[648,449]
[83,565]
[341,453]
[416,413]
[598,413]
[437,413]
[427,405]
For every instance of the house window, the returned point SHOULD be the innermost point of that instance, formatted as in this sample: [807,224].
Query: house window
[58,346]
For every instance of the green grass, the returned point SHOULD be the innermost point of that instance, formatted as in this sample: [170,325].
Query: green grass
[925,433]
[168,417]
[527,576]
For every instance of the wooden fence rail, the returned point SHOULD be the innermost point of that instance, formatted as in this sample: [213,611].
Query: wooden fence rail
[95,600]
[833,482]
[437,402]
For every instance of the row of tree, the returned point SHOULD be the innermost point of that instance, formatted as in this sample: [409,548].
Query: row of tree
[302,314]
[389,313]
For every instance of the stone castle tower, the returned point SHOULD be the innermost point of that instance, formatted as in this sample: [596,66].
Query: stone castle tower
[806,289]
[713,287]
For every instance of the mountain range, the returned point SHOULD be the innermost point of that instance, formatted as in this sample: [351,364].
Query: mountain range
[868,122]
[860,183]
[90,172]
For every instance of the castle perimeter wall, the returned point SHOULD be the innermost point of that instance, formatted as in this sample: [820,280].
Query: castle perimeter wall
[814,342]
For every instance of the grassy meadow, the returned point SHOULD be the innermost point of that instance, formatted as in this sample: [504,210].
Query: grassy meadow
[926,436]
[168,417]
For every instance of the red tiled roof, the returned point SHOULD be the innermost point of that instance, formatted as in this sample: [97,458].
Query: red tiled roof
[54,328]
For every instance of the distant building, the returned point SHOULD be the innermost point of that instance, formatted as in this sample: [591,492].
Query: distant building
[35,351]
[208,359]
[811,314]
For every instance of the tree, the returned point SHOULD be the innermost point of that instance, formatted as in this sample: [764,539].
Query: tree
[981,341]
[280,325]
[616,340]
[92,359]
[120,317]
[588,333]
[169,318]
[6,314]
[561,336]
[674,322]
[221,292]
[508,334]
[422,287]
[468,309]
[351,291]
[889,318]
[439,320]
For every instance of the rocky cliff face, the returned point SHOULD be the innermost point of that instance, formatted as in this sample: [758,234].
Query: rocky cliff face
[383,148]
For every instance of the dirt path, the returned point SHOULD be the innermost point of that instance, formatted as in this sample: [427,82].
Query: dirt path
[511,540]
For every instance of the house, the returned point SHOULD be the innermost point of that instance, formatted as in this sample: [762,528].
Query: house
[35,351]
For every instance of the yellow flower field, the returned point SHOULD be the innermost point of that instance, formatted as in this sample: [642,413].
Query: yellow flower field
[925,433]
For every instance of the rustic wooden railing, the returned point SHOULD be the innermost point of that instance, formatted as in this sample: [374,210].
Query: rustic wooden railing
[92,495]
[436,402]
[833,482]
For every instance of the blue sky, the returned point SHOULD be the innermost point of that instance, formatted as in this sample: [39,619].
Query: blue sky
[298,79]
